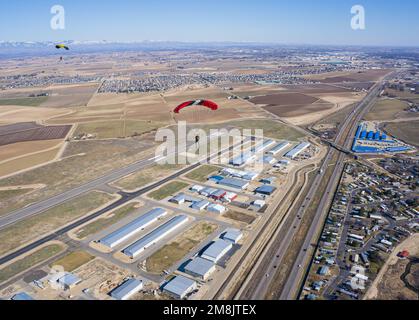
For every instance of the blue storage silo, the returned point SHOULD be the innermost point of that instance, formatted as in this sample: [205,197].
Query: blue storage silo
[383,137]
[370,135]
[377,136]
[364,134]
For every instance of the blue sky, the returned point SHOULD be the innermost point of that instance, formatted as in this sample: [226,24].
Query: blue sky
[388,22]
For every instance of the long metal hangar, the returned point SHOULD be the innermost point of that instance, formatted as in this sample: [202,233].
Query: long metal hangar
[121,235]
[153,237]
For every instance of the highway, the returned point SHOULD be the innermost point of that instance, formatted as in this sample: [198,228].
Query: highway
[300,269]
[256,286]
[53,201]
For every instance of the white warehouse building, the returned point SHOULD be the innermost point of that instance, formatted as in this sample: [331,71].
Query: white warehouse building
[298,150]
[217,250]
[179,287]
[131,229]
[200,268]
[155,236]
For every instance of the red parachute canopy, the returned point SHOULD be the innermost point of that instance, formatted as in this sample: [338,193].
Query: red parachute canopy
[206,103]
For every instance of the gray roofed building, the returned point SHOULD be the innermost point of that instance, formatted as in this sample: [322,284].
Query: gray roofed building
[156,235]
[200,205]
[234,183]
[217,250]
[279,147]
[179,287]
[68,281]
[232,235]
[121,235]
[297,150]
[266,190]
[127,289]
[200,268]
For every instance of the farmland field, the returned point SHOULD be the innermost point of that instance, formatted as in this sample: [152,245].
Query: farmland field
[24,102]
[43,133]
[284,99]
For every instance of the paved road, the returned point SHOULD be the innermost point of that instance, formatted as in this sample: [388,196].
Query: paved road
[49,203]
[126,197]
[304,256]
[285,238]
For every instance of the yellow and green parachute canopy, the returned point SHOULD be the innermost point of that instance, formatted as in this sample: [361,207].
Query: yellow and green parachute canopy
[62,46]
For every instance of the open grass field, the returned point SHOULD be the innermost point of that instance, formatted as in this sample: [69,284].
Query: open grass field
[240,217]
[271,129]
[201,174]
[103,223]
[386,109]
[73,261]
[31,228]
[24,102]
[10,194]
[116,128]
[146,176]
[179,247]
[29,261]
[95,157]
[167,190]
[404,131]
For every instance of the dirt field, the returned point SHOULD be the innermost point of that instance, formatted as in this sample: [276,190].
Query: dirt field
[23,148]
[240,217]
[26,162]
[298,110]
[73,260]
[284,99]
[388,284]
[314,88]
[15,114]
[29,229]
[178,248]
[405,131]
[386,109]
[65,96]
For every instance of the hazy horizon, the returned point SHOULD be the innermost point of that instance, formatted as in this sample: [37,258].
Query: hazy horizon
[302,22]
